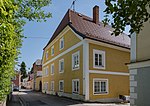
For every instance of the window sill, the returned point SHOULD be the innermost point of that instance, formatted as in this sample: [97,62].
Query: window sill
[62,71]
[105,93]
[75,93]
[99,67]
[77,68]
[61,49]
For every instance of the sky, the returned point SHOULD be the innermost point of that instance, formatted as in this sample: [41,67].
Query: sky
[32,48]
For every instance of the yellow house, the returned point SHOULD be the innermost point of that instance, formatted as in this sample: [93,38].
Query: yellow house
[84,61]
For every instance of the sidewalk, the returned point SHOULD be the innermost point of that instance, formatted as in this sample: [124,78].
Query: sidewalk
[15,101]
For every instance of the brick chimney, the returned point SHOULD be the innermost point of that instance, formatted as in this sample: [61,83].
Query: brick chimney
[96,14]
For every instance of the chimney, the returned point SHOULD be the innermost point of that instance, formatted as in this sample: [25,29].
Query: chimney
[96,14]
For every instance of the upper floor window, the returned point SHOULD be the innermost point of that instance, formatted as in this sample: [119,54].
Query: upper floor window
[52,69]
[99,59]
[61,65]
[75,60]
[61,43]
[61,85]
[46,54]
[75,86]
[46,71]
[100,86]
[52,50]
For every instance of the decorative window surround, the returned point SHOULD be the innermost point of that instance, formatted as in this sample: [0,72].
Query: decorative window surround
[75,86]
[52,69]
[98,59]
[100,86]
[61,85]
[76,60]
[61,66]
[52,50]
[61,43]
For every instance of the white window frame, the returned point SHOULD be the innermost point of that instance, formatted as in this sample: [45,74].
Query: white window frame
[102,53]
[52,71]
[61,40]
[46,71]
[73,65]
[61,90]
[100,80]
[52,86]
[45,86]
[46,54]
[52,50]
[60,70]
[75,92]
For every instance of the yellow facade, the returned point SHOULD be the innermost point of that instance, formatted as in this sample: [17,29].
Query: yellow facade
[115,62]
[70,40]
[37,85]
[115,59]
[117,85]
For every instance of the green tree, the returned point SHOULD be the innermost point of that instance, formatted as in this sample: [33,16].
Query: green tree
[124,13]
[13,16]
[31,72]
[23,70]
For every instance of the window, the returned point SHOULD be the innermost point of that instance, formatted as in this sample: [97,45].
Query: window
[46,55]
[61,66]
[75,60]
[61,85]
[100,86]
[45,86]
[99,59]
[52,85]
[75,86]
[46,71]
[61,43]
[52,69]
[52,50]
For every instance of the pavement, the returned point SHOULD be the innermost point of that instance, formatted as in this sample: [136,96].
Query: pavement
[31,98]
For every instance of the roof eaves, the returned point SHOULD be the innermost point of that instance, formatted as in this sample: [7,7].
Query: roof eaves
[79,33]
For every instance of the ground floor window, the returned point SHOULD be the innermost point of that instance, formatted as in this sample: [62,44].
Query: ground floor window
[45,86]
[100,86]
[52,85]
[75,86]
[61,85]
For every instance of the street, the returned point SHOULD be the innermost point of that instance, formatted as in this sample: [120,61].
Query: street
[31,98]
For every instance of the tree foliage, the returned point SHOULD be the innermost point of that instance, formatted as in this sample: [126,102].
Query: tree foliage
[124,13]
[13,16]
[23,70]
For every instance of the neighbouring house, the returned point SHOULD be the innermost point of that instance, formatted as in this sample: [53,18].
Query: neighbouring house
[140,67]
[82,60]
[37,71]
[16,81]
[28,82]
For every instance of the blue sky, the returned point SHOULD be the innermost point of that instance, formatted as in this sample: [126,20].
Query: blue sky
[32,48]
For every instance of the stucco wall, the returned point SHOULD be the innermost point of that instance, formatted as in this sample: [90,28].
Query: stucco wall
[70,39]
[143,42]
[117,85]
[143,87]
[115,59]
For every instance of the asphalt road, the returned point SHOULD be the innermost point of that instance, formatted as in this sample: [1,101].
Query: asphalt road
[30,98]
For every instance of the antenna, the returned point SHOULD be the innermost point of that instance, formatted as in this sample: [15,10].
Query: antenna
[73,5]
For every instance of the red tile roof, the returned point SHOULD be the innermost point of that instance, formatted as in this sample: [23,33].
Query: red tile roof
[86,28]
